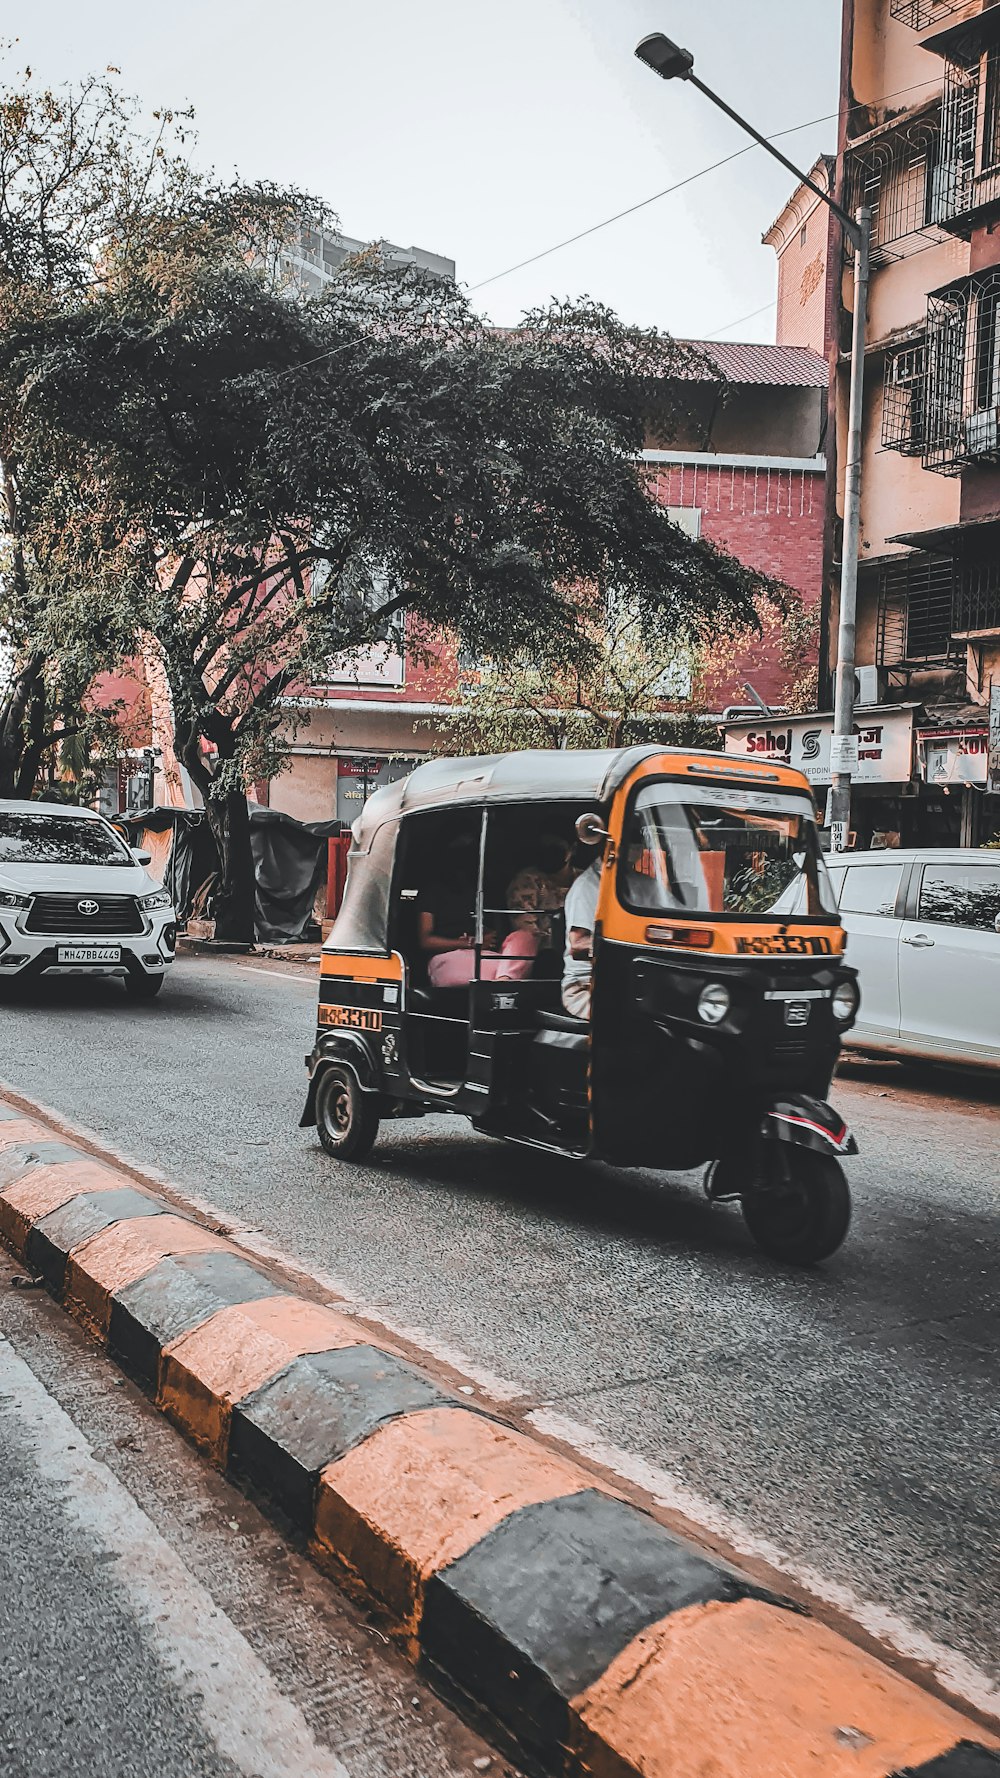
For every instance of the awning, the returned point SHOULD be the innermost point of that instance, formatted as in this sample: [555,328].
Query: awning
[947,539]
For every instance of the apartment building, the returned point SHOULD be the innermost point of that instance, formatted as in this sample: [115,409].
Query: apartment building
[920,144]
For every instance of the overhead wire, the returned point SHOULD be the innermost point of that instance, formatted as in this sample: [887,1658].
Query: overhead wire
[828,117]
[643,204]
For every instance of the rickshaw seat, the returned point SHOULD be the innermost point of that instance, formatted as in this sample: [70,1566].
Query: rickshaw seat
[447,1003]
[562,1021]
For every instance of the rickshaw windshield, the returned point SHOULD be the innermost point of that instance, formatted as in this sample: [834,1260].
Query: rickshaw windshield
[719,851]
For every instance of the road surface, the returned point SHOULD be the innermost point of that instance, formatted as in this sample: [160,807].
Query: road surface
[842,1423]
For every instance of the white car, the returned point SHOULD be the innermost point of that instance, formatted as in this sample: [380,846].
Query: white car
[923,932]
[75,900]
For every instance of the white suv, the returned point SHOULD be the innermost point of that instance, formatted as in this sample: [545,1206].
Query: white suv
[923,932]
[74,900]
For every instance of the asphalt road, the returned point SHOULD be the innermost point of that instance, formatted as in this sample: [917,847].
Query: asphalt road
[843,1423]
[152,1623]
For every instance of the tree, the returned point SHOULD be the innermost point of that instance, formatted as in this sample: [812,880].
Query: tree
[90,193]
[628,680]
[783,635]
[76,173]
[282,478]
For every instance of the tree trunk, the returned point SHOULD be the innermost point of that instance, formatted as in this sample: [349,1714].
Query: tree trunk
[28,688]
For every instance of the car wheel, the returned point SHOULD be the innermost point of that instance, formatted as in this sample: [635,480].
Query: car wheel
[143,987]
[804,1217]
[346,1118]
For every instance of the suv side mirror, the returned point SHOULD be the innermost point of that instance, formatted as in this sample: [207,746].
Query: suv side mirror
[141,857]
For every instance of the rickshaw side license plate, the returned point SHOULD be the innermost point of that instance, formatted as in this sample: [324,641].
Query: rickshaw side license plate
[356,1018]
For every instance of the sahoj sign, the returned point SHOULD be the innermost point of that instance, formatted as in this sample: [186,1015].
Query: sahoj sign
[884,736]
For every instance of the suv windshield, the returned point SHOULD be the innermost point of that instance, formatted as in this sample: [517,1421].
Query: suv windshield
[723,852]
[59,839]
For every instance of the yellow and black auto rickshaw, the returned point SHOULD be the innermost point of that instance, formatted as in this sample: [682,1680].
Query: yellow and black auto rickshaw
[720,995]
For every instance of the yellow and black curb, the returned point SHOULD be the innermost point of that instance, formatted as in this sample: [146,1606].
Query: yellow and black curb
[591,1637]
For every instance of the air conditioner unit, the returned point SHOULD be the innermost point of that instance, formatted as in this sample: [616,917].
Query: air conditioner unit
[982,432]
[869,685]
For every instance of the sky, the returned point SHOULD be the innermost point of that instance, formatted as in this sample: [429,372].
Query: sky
[489,130]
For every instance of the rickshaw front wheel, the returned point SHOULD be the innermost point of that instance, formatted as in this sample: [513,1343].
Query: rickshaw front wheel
[805,1217]
[346,1118]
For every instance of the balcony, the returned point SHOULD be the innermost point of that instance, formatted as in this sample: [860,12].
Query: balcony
[961,391]
[920,14]
[965,184]
[895,174]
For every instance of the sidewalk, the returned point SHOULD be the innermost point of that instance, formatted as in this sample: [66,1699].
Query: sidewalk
[297,953]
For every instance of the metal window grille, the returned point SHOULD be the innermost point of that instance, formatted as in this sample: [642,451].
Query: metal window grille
[918,14]
[915,605]
[966,180]
[977,601]
[962,386]
[895,176]
[903,399]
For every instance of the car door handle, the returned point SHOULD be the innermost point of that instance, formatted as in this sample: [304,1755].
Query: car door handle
[919,941]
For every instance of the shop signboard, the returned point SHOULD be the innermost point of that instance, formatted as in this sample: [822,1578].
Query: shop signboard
[954,756]
[994,752]
[358,774]
[884,740]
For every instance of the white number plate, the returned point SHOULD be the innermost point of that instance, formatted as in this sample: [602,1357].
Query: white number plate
[90,953]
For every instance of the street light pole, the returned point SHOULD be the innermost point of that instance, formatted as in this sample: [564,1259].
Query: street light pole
[671,62]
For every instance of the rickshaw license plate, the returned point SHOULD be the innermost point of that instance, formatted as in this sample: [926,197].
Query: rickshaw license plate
[796,1012]
[356,1018]
[784,944]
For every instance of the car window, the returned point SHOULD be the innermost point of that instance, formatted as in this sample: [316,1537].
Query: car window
[870,889]
[961,895]
[59,839]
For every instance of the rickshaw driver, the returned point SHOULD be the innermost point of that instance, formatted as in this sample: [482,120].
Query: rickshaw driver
[581,918]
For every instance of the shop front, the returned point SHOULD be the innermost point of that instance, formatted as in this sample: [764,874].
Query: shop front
[919,782]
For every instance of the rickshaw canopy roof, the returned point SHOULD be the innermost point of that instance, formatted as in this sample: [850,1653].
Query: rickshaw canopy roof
[550,775]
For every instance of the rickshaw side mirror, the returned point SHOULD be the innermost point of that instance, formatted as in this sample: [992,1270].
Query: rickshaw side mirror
[590,830]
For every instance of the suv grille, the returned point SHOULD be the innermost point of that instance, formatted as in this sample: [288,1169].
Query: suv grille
[60,914]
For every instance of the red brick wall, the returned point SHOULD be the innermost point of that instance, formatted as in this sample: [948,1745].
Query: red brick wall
[771,519]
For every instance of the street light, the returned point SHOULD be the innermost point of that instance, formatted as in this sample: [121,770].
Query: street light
[671,62]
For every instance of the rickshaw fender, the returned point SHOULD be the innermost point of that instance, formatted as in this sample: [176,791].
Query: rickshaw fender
[809,1123]
[347,1051]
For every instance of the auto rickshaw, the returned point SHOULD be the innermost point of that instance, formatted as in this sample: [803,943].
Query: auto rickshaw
[720,995]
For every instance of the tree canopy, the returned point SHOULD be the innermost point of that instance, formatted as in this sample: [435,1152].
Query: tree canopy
[263,482]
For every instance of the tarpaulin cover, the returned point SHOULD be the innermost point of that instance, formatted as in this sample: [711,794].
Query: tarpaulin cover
[289,863]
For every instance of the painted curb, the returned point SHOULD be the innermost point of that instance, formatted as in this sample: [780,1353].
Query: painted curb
[591,1639]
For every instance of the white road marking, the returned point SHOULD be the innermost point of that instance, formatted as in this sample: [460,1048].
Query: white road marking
[251,1722]
[957,1675]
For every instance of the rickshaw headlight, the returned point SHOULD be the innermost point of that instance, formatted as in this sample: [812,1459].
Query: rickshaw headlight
[713,1003]
[845,1002]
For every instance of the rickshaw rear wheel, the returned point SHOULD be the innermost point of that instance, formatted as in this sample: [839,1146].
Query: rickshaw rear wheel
[805,1217]
[346,1118]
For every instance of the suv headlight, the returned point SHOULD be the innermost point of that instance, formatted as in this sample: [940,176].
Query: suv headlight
[10,900]
[713,1003]
[845,1001]
[161,899]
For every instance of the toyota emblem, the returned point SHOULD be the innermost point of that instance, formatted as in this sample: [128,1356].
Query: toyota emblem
[88,907]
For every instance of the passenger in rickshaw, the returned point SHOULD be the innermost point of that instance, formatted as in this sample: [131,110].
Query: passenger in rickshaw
[541,887]
[581,918]
[446,928]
